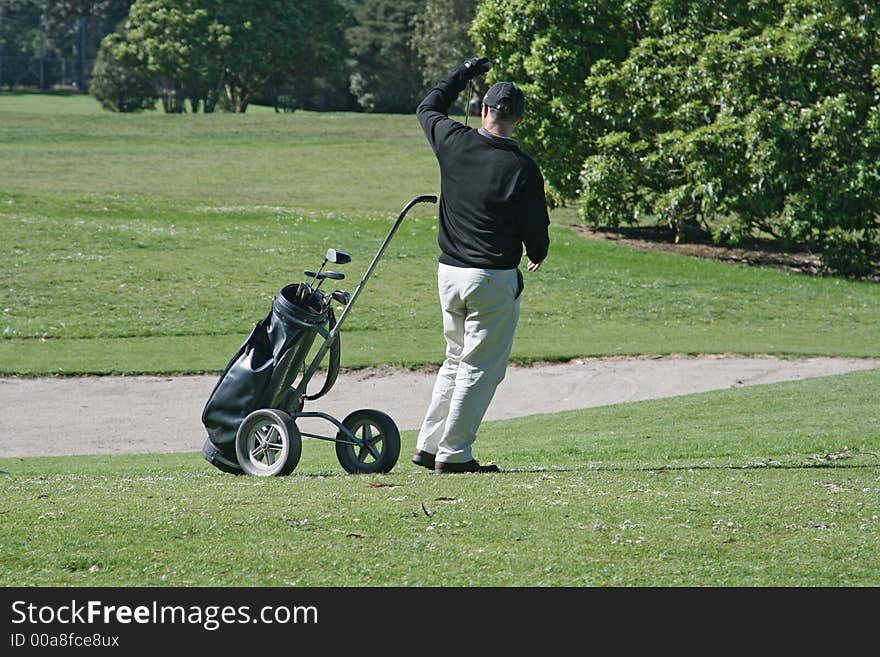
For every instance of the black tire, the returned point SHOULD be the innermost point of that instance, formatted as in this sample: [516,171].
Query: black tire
[268,444]
[380,432]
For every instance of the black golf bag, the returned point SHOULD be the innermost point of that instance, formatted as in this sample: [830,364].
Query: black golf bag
[252,413]
[263,370]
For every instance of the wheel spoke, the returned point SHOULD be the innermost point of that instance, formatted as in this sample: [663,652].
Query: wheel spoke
[372,445]
[270,457]
[370,441]
[276,446]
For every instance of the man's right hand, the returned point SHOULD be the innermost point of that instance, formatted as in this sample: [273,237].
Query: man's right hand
[476,66]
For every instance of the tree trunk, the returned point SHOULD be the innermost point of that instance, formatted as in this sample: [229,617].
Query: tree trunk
[210,100]
[239,97]
[172,102]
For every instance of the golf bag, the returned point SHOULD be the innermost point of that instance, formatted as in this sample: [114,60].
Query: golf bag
[262,371]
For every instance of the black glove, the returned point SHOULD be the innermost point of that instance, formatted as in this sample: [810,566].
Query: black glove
[476,66]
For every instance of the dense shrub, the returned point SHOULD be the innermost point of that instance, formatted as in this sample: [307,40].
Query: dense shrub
[121,88]
[763,116]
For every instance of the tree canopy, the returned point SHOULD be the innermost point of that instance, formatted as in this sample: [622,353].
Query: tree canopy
[549,48]
[441,38]
[746,117]
[387,76]
[196,48]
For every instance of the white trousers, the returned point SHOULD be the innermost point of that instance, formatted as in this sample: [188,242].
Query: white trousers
[480,313]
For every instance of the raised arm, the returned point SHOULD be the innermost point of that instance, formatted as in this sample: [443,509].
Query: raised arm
[433,111]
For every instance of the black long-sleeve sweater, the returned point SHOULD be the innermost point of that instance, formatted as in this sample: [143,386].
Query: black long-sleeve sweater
[491,193]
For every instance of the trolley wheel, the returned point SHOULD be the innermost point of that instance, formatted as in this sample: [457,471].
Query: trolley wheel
[268,443]
[381,442]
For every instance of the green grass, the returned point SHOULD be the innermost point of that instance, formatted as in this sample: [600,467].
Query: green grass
[118,284]
[152,243]
[762,486]
[47,103]
[64,102]
[324,161]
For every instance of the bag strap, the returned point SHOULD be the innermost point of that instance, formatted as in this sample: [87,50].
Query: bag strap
[333,363]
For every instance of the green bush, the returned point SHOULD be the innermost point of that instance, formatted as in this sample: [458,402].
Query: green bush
[848,252]
[762,115]
[549,48]
[121,88]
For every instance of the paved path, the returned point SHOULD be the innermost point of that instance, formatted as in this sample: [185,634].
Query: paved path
[116,415]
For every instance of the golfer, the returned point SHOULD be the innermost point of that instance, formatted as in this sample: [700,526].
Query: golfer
[491,204]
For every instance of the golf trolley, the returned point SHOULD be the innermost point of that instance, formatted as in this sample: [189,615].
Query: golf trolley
[252,412]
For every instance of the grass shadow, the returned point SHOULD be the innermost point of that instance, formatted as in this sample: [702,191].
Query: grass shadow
[688,468]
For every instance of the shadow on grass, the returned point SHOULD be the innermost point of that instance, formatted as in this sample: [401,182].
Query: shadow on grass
[686,468]
[611,468]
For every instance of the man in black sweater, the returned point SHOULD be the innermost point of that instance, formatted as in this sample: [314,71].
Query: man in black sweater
[491,204]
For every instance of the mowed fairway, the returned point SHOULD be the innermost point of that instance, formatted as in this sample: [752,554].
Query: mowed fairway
[153,243]
[261,158]
[764,486]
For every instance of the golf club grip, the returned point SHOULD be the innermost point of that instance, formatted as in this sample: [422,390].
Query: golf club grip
[426,198]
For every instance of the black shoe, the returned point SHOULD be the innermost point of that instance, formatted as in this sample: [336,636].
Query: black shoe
[423,459]
[471,466]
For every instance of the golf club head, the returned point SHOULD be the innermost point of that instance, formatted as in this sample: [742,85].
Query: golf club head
[338,257]
[341,296]
[333,275]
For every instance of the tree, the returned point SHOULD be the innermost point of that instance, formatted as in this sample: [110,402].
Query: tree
[276,37]
[176,44]
[121,88]
[194,48]
[745,117]
[325,86]
[19,42]
[549,48]
[387,77]
[441,39]
[78,26]
[763,117]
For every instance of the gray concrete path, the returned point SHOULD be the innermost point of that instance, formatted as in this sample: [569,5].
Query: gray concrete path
[149,414]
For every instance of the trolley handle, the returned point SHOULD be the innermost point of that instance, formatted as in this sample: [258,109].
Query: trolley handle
[331,337]
[427,198]
[369,272]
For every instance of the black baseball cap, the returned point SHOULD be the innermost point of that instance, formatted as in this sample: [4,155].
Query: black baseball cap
[506,97]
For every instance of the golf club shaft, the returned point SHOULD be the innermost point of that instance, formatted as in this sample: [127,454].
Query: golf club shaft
[320,269]
[467,102]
